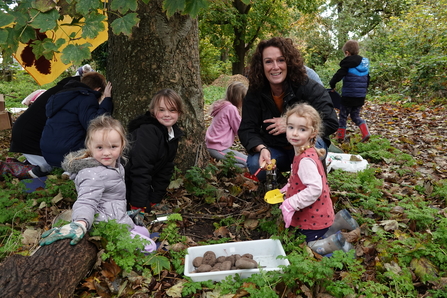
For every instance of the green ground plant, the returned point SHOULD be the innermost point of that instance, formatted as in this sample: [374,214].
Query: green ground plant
[228,168]
[196,182]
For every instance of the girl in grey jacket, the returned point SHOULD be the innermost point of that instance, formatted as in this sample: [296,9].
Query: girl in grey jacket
[99,179]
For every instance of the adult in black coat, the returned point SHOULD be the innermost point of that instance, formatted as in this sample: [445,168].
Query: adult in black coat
[27,129]
[278,80]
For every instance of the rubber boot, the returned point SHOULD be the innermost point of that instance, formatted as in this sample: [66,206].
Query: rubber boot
[365,132]
[330,244]
[341,132]
[342,221]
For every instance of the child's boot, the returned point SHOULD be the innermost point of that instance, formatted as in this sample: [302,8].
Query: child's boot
[341,132]
[365,132]
[343,220]
[330,244]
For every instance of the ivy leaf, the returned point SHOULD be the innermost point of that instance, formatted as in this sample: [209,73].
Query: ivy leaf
[125,24]
[172,6]
[44,21]
[84,7]
[193,7]
[6,19]
[158,263]
[75,53]
[124,6]
[93,25]
[43,5]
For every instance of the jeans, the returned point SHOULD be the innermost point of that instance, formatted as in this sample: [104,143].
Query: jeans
[354,112]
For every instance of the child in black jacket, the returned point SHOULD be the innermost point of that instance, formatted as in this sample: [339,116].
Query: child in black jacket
[154,139]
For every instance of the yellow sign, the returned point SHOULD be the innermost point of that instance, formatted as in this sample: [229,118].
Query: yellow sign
[44,71]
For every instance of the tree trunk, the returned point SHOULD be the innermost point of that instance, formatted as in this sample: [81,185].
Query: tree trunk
[161,53]
[239,49]
[53,271]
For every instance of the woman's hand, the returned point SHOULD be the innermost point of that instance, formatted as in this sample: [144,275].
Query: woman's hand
[264,156]
[277,127]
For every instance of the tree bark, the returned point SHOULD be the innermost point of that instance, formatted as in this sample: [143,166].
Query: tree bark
[53,271]
[161,53]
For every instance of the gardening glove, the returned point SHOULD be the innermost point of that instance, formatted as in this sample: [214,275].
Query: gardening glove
[287,212]
[137,215]
[74,231]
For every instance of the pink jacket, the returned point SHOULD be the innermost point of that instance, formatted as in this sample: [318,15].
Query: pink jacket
[224,126]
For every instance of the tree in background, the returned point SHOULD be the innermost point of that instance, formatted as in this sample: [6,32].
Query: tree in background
[410,52]
[355,19]
[235,26]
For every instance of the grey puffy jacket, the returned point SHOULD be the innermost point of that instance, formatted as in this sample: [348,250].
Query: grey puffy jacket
[101,190]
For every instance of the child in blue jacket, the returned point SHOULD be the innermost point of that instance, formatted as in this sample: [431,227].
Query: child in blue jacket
[354,71]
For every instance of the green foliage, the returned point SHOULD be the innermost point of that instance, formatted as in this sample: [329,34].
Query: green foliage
[21,86]
[44,16]
[380,149]
[171,234]
[228,168]
[213,93]
[409,53]
[10,241]
[440,190]
[191,288]
[211,65]
[226,25]
[125,250]
[170,231]
[196,181]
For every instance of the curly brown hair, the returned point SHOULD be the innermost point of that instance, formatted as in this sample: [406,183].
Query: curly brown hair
[296,72]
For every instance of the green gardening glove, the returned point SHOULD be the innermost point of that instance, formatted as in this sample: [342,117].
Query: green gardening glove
[74,231]
[137,216]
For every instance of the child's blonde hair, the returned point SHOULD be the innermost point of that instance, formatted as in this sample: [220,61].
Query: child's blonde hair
[171,98]
[106,123]
[312,116]
[236,92]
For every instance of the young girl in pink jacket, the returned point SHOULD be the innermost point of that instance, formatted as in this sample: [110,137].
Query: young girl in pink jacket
[226,115]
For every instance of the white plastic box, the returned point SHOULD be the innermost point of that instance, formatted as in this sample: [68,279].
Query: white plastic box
[265,252]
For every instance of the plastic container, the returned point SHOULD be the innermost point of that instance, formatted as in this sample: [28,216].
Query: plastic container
[265,252]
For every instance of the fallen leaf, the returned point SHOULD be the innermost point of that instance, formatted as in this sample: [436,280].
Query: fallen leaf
[57,198]
[221,232]
[422,267]
[30,237]
[393,267]
[110,270]
[389,225]
[176,290]
[352,236]
[251,224]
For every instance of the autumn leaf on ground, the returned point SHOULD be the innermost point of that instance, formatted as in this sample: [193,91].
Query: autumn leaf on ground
[110,270]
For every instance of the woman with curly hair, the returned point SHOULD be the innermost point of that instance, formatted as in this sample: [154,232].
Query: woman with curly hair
[278,80]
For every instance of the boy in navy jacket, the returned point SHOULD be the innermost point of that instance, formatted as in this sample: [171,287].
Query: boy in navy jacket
[354,71]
